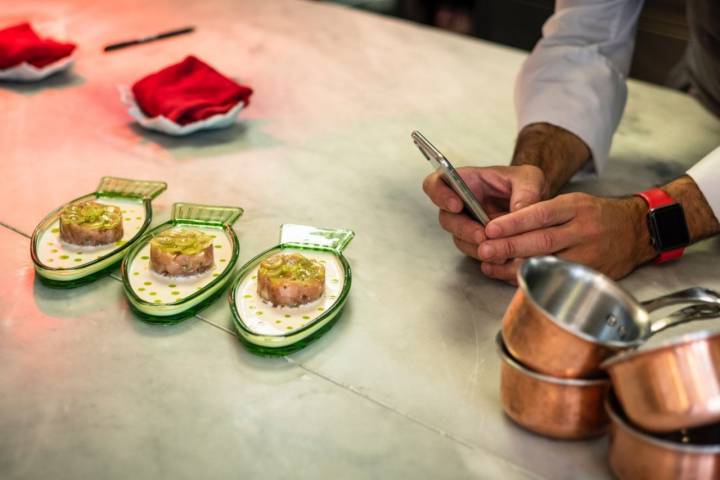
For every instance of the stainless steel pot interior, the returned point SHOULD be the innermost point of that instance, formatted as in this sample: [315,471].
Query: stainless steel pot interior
[583,301]
[699,337]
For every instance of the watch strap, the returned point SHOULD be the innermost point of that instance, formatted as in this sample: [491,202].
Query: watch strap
[656,198]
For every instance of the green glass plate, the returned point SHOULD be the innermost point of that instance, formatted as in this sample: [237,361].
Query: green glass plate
[165,299]
[62,265]
[270,330]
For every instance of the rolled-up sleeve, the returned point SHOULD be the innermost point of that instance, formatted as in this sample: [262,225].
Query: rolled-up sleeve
[575,76]
[706,174]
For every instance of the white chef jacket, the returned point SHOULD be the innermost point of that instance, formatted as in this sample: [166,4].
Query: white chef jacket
[575,79]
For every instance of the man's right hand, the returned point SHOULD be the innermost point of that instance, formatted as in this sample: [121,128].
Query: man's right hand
[499,189]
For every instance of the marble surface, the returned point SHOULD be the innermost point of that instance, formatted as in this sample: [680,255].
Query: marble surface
[406,384]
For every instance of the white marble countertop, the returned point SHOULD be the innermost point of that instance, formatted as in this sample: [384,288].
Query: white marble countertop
[406,384]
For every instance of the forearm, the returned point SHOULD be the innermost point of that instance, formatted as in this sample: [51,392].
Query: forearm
[556,151]
[699,216]
[700,219]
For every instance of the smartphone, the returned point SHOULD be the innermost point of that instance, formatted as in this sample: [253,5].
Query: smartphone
[451,177]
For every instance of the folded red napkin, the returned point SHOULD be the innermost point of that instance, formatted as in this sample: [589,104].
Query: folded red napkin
[20,44]
[188,91]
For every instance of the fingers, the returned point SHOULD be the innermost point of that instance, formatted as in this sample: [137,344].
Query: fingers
[505,271]
[469,249]
[540,215]
[528,183]
[538,242]
[462,227]
[441,195]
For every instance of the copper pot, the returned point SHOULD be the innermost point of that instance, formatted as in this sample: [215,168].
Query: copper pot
[636,455]
[565,318]
[671,386]
[554,407]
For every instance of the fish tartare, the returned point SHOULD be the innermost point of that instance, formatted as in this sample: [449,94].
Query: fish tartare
[290,280]
[181,252]
[91,224]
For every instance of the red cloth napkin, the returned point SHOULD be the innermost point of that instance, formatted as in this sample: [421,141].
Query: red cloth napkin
[188,91]
[20,44]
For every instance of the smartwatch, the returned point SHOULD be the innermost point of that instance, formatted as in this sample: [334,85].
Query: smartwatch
[666,222]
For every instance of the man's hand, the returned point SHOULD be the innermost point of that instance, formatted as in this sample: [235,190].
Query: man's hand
[559,153]
[607,234]
[499,190]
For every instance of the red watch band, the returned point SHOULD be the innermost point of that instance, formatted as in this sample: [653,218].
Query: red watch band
[655,198]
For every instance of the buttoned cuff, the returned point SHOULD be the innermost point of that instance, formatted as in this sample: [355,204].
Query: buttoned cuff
[706,174]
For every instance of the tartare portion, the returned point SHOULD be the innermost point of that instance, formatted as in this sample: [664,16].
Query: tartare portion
[91,224]
[181,252]
[290,280]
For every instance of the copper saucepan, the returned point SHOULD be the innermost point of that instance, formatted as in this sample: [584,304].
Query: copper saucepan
[555,407]
[565,318]
[685,455]
[673,385]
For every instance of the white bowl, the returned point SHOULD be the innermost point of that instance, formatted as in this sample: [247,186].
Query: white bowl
[165,125]
[26,72]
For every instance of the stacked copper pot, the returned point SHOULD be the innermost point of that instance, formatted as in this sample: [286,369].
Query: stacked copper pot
[575,363]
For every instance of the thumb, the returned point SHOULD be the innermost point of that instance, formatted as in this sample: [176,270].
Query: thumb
[526,188]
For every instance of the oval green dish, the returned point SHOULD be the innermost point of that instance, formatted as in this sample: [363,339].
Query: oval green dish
[60,264]
[161,298]
[274,330]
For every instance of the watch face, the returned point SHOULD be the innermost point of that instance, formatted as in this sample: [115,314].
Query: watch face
[668,227]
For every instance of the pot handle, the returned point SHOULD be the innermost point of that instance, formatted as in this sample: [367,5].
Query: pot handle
[687,314]
[689,295]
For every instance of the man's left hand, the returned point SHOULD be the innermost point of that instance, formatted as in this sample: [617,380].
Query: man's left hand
[607,234]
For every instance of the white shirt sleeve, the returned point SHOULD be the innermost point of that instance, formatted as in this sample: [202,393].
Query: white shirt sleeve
[706,174]
[575,76]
